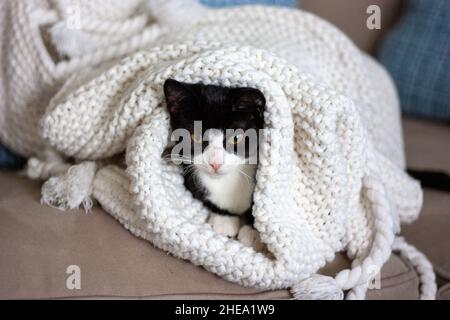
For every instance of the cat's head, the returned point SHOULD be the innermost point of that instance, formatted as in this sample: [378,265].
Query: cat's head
[221,125]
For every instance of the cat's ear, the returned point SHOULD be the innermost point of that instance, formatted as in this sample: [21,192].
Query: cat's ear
[248,100]
[178,96]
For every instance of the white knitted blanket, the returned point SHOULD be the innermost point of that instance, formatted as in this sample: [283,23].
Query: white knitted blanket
[331,172]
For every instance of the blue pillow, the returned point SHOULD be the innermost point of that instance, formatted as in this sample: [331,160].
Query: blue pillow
[417,54]
[226,3]
[8,160]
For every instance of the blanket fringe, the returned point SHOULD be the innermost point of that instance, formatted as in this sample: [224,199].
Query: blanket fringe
[317,287]
[70,190]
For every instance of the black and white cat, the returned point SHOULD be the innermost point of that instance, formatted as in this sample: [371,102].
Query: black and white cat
[220,164]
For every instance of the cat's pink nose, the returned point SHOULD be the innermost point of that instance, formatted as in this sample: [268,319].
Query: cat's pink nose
[215,166]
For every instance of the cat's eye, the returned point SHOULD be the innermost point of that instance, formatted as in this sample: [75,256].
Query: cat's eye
[196,138]
[237,138]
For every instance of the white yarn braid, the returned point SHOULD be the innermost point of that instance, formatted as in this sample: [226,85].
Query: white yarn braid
[421,264]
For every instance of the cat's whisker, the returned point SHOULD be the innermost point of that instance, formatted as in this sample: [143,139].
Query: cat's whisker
[241,182]
[175,156]
[189,168]
[178,158]
[185,161]
[181,156]
[195,177]
[246,175]
[250,180]
[202,165]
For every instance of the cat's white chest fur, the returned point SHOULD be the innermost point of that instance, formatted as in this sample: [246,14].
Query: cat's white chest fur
[233,191]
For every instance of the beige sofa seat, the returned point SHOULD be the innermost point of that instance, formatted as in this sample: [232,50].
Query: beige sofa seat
[428,147]
[38,244]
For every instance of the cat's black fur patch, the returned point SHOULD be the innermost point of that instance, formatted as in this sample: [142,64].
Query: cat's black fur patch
[217,107]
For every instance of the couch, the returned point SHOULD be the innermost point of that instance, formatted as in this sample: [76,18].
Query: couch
[38,244]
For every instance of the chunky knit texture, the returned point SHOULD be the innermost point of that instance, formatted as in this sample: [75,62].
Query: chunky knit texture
[330,176]
[30,75]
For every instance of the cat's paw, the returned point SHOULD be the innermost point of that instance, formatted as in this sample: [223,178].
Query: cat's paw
[249,237]
[225,225]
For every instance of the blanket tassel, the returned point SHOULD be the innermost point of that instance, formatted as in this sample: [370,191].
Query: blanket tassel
[317,287]
[69,190]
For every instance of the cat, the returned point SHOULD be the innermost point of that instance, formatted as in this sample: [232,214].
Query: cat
[220,165]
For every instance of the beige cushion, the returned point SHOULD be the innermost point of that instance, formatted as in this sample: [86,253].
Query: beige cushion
[38,243]
[444,292]
[427,147]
